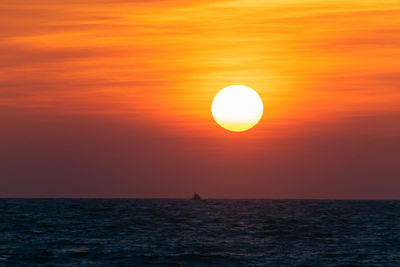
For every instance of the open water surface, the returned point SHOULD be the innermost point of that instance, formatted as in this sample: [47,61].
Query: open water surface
[172,232]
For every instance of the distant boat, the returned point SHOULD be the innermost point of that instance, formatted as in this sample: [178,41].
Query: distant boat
[196,197]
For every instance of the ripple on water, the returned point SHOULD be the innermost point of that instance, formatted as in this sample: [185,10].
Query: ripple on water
[107,232]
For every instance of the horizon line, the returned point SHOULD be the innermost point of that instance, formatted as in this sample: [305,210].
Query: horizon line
[170,198]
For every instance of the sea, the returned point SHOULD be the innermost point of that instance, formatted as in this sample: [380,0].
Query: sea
[210,232]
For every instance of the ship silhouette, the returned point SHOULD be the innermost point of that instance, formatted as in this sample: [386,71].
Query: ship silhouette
[196,197]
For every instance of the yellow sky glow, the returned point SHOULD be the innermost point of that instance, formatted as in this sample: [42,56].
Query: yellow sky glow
[165,61]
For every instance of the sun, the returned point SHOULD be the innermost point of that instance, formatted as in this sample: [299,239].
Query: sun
[237,108]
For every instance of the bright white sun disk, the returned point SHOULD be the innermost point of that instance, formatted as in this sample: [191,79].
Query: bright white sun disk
[237,108]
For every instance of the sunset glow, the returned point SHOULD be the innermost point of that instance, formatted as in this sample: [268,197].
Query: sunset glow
[114,98]
[200,133]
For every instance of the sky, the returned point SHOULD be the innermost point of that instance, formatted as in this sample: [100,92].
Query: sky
[113,99]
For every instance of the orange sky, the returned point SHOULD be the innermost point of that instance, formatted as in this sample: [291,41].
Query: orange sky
[114,99]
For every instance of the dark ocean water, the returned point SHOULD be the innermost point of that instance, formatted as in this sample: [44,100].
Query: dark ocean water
[138,232]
